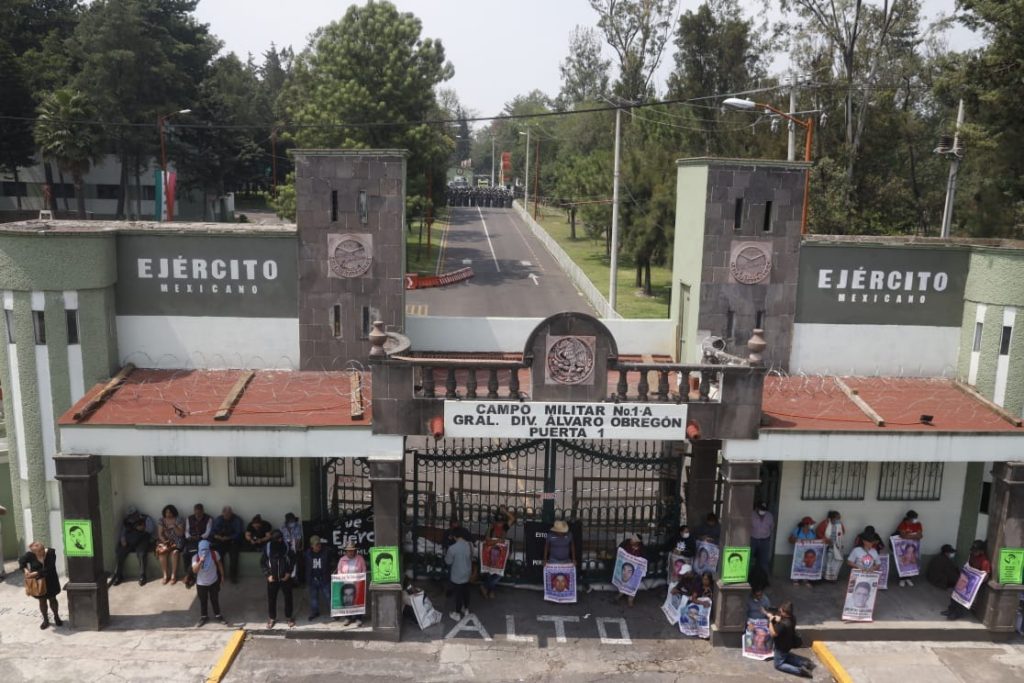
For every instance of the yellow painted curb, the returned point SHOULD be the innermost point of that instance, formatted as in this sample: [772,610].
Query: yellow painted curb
[831,663]
[220,669]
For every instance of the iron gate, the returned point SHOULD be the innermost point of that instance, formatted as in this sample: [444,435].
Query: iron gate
[608,489]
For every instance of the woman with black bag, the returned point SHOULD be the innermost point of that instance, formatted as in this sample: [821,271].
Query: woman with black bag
[41,582]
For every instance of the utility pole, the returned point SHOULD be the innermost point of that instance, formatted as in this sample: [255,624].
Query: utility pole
[536,180]
[614,276]
[791,155]
[526,175]
[954,167]
[492,159]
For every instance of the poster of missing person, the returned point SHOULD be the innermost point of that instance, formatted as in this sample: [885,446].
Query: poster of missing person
[560,583]
[426,615]
[757,640]
[629,572]
[968,585]
[808,560]
[860,596]
[384,564]
[494,555]
[695,618]
[673,603]
[348,594]
[675,564]
[707,558]
[735,564]
[906,552]
[883,571]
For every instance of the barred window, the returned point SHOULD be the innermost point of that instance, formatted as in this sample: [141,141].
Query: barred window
[260,472]
[910,481]
[834,481]
[178,470]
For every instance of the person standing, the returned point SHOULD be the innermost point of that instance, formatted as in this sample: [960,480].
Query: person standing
[979,560]
[499,528]
[137,533]
[278,566]
[910,529]
[209,573]
[318,575]
[292,533]
[227,540]
[40,562]
[832,530]
[762,526]
[459,559]
[352,563]
[198,527]
[782,626]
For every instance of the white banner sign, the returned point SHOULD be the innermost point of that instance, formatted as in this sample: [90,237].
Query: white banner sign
[560,420]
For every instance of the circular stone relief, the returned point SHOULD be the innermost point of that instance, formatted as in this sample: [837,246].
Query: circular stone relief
[570,361]
[351,258]
[751,264]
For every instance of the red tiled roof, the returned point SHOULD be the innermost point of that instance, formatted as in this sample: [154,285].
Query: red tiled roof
[192,397]
[816,403]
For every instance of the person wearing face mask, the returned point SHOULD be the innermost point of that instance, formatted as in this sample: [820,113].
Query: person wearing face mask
[910,528]
[943,571]
[684,544]
[762,524]
[833,530]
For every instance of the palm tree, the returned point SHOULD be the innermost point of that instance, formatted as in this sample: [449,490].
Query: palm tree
[62,135]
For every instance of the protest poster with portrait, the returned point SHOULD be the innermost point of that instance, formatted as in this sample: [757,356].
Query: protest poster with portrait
[735,564]
[860,596]
[426,615]
[384,564]
[757,640]
[673,603]
[675,564]
[348,594]
[1011,565]
[883,571]
[707,558]
[968,585]
[560,583]
[695,618]
[494,555]
[906,553]
[629,572]
[808,560]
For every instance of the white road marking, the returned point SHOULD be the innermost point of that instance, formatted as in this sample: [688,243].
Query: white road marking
[467,261]
[603,632]
[533,276]
[559,621]
[470,622]
[512,218]
[525,264]
[510,632]
[488,235]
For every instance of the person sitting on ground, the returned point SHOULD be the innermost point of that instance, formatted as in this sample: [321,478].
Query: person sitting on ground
[910,528]
[137,533]
[170,542]
[803,531]
[257,533]
[710,530]
[352,563]
[758,603]
[707,586]
[782,627]
[979,560]
[943,571]
[864,557]
[278,564]
[683,544]
[227,539]
[633,545]
[869,532]
[688,583]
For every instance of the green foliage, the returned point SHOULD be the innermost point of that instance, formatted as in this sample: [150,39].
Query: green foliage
[284,203]
[60,136]
[584,71]
[16,144]
[637,31]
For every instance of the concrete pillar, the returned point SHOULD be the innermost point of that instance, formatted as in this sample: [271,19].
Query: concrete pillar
[741,478]
[998,602]
[700,483]
[87,586]
[386,600]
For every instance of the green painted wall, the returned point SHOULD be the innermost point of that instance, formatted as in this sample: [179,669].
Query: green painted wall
[688,250]
[56,262]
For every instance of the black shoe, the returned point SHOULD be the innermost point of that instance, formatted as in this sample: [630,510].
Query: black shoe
[314,616]
[45,625]
[142,580]
[811,666]
[202,622]
[806,673]
[115,581]
[57,620]
[219,619]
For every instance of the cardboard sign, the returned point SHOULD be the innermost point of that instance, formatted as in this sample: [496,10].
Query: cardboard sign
[560,583]
[629,572]
[907,555]
[494,554]
[967,586]
[673,603]
[695,618]
[735,564]
[78,538]
[860,596]
[384,561]
[808,560]
[707,558]
[757,640]
[1011,565]
[348,594]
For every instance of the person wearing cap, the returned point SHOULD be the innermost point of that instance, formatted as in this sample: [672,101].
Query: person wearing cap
[910,528]
[278,565]
[137,533]
[689,583]
[804,531]
[943,571]
[227,539]
[291,531]
[978,560]
[762,525]
[352,563]
[318,575]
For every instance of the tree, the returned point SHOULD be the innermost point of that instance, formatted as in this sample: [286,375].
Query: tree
[637,31]
[369,68]
[584,71]
[61,135]
[16,143]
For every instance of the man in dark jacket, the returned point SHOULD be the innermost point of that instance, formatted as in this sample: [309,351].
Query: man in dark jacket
[138,531]
[227,539]
[278,564]
[319,562]
[943,571]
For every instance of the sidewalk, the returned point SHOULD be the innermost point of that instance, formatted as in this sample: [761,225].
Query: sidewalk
[934,662]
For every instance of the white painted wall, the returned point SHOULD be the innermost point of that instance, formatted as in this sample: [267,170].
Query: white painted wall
[1003,360]
[876,446]
[441,333]
[940,518]
[889,350]
[151,341]
[979,317]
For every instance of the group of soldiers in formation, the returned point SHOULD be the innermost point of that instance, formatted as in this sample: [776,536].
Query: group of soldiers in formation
[464,195]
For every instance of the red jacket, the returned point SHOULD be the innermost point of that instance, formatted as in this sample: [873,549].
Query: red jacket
[980,561]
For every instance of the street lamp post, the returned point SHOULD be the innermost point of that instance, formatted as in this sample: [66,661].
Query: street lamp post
[526,175]
[161,120]
[808,125]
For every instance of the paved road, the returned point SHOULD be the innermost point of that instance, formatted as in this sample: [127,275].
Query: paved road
[515,275]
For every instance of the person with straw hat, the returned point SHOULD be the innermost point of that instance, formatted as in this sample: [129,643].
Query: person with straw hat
[352,563]
[559,547]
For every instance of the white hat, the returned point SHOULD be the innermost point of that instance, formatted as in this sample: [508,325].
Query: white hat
[685,569]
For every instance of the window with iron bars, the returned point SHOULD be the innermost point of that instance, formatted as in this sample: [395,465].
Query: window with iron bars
[910,481]
[834,481]
[260,472]
[178,470]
